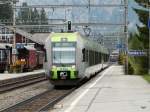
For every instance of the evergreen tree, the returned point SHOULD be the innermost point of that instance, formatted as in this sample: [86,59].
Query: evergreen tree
[143,31]
[32,16]
[43,17]
[143,17]
[135,43]
[24,14]
[35,16]
[29,16]
[6,11]
[141,41]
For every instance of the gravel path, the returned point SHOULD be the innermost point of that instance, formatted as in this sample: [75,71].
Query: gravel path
[15,96]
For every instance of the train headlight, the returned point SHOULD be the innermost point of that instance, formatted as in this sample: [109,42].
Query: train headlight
[73,66]
[53,66]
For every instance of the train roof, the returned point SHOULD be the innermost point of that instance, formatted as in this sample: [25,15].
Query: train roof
[56,37]
[94,45]
[73,37]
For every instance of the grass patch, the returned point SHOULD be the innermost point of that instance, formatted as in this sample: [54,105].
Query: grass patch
[147,77]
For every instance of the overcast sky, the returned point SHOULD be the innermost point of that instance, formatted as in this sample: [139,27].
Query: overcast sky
[106,14]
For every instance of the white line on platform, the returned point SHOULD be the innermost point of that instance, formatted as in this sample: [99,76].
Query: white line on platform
[83,94]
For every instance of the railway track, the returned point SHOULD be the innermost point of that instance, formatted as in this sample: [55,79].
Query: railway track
[41,102]
[11,84]
[44,101]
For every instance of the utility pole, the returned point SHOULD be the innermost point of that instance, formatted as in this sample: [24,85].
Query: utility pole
[89,11]
[149,41]
[126,33]
[14,50]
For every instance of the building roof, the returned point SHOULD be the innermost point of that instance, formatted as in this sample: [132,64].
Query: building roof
[36,37]
[40,37]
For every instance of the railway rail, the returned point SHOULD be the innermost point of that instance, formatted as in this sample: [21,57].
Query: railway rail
[11,84]
[41,102]
[44,101]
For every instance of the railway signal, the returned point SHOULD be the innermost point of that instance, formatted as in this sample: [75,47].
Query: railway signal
[69,26]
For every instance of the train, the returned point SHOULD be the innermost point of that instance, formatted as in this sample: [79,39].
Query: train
[5,53]
[3,59]
[32,57]
[71,58]
[114,56]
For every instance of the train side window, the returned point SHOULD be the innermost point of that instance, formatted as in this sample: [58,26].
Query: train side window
[102,57]
[96,58]
[45,60]
[99,58]
[93,57]
[0,55]
[87,55]
[84,55]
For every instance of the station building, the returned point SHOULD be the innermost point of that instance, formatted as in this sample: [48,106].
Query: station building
[24,41]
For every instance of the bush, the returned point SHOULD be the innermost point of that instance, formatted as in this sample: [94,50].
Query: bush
[121,60]
[139,66]
[130,69]
[147,77]
[14,69]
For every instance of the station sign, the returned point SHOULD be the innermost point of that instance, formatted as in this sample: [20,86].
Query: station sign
[14,51]
[120,46]
[20,46]
[137,53]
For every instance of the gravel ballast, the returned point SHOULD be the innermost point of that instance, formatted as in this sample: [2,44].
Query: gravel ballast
[18,95]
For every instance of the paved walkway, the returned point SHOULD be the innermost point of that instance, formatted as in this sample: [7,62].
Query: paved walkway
[110,91]
[4,76]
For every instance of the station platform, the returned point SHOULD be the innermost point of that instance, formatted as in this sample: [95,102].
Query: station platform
[5,76]
[109,91]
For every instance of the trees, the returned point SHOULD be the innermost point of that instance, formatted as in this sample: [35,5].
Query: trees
[6,11]
[43,17]
[143,15]
[23,14]
[141,40]
[32,16]
[35,17]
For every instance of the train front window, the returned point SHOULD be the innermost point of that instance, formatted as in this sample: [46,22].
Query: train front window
[63,53]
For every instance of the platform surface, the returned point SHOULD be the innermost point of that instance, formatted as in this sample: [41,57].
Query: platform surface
[5,76]
[110,91]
